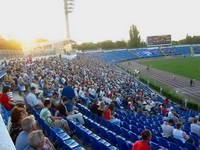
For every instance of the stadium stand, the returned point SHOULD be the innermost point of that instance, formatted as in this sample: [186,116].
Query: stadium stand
[137,107]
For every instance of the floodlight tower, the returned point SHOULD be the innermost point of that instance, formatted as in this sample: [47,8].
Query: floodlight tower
[68,7]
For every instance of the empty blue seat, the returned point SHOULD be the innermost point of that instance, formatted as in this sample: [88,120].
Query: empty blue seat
[133,136]
[103,146]
[163,142]
[78,148]
[190,146]
[103,132]
[154,146]
[112,137]
[117,129]
[125,133]
[134,129]
[122,144]
[125,125]
[173,146]
[69,144]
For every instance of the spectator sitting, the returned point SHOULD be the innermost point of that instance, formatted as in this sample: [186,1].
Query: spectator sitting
[38,91]
[32,100]
[195,128]
[143,144]
[180,134]
[108,115]
[5,99]
[72,115]
[19,105]
[191,119]
[53,121]
[37,141]
[172,115]
[167,128]
[94,106]
[55,99]
[102,108]
[17,115]
[164,110]
[28,125]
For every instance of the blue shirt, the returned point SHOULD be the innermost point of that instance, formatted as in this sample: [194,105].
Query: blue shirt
[70,106]
[22,140]
[68,92]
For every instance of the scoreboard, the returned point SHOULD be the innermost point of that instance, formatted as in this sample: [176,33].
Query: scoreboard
[159,40]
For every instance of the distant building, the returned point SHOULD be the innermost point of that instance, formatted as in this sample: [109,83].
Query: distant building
[48,48]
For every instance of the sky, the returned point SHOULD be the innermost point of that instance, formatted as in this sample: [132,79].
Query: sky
[98,20]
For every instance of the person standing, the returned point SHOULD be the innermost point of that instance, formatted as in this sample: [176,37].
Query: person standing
[143,144]
[191,82]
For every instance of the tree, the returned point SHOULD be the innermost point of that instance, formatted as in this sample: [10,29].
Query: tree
[10,44]
[108,44]
[135,40]
[190,40]
[120,44]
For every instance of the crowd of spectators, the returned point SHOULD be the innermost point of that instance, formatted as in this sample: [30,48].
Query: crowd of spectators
[56,84]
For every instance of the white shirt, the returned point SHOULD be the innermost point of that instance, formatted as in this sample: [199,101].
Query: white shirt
[36,86]
[81,94]
[195,128]
[63,80]
[167,130]
[92,91]
[106,100]
[178,134]
[32,100]
[170,115]
[101,93]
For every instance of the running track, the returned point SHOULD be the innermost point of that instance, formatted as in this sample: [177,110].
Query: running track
[179,83]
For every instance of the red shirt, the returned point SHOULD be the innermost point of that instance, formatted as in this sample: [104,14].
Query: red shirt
[141,145]
[164,111]
[107,114]
[4,99]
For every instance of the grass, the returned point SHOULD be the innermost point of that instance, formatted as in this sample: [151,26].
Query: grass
[188,67]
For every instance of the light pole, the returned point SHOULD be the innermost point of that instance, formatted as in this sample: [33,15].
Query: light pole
[68,6]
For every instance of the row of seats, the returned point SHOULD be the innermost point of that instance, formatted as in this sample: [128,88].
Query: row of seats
[129,132]
[120,136]
[61,138]
[114,56]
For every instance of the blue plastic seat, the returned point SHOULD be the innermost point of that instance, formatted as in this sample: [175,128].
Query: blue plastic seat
[117,129]
[196,138]
[103,146]
[134,129]
[78,148]
[173,146]
[125,125]
[190,146]
[177,141]
[154,138]
[154,146]
[103,132]
[85,137]
[70,144]
[163,142]
[122,144]
[133,136]
[125,133]
[112,137]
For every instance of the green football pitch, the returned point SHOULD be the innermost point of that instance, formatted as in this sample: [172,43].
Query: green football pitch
[188,67]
